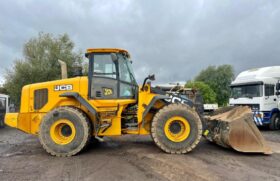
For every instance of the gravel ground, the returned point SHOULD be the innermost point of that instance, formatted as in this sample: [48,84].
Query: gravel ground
[133,158]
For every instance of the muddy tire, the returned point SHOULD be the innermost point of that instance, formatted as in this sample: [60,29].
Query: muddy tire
[65,131]
[170,125]
[275,122]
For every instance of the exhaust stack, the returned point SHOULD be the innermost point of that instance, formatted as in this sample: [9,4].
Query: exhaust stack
[63,69]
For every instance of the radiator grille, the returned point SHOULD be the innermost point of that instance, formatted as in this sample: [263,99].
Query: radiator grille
[40,98]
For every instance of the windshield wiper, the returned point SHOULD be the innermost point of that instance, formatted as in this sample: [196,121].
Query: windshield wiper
[250,97]
[132,78]
[246,96]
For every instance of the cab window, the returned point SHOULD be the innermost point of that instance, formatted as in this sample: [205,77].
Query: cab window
[104,66]
[124,72]
[269,90]
[126,78]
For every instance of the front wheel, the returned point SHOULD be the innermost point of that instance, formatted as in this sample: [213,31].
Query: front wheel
[275,122]
[176,128]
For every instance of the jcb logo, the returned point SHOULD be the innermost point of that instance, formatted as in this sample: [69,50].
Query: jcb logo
[63,87]
[107,91]
[175,99]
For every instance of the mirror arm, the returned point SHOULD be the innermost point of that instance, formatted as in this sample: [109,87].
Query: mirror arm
[150,77]
[145,80]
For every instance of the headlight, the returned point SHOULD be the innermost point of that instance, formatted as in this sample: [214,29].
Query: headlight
[255,107]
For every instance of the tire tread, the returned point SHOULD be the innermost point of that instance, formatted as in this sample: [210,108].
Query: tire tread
[86,123]
[166,110]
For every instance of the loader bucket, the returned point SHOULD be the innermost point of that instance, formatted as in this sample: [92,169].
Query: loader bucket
[233,127]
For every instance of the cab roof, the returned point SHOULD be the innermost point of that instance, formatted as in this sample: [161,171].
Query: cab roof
[106,50]
[266,74]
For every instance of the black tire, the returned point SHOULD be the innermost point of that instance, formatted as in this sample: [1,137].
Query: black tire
[159,136]
[2,117]
[83,131]
[275,122]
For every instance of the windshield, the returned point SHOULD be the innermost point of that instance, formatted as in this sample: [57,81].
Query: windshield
[249,91]
[128,85]
[125,69]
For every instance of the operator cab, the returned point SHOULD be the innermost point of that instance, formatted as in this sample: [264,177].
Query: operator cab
[110,74]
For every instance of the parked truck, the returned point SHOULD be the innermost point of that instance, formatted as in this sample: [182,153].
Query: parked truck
[259,89]
[4,108]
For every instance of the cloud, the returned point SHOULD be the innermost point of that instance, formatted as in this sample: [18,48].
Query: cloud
[173,39]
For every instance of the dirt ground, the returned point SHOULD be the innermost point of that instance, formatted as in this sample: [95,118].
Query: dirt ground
[132,158]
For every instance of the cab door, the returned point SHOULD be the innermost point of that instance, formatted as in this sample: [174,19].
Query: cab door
[104,83]
[270,99]
[111,79]
[104,91]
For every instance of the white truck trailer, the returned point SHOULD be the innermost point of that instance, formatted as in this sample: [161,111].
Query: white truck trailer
[259,89]
[4,107]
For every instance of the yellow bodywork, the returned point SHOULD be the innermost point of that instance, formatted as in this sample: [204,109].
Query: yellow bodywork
[11,119]
[109,111]
[29,119]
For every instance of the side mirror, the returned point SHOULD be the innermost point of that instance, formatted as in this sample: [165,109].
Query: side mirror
[152,77]
[114,57]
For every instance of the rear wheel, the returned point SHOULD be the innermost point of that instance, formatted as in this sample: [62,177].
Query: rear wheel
[176,128]
[275,122]
[65,131]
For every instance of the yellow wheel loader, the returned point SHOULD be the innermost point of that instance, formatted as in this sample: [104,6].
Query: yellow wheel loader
[66,114]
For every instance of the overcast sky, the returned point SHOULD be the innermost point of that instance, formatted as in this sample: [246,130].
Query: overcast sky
[173,39]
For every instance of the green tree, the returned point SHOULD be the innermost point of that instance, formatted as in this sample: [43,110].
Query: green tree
[3,90]
[209,96]
[39,62]
[219,79]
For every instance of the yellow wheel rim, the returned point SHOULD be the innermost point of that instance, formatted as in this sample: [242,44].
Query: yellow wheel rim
[177,129]
[62,131]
